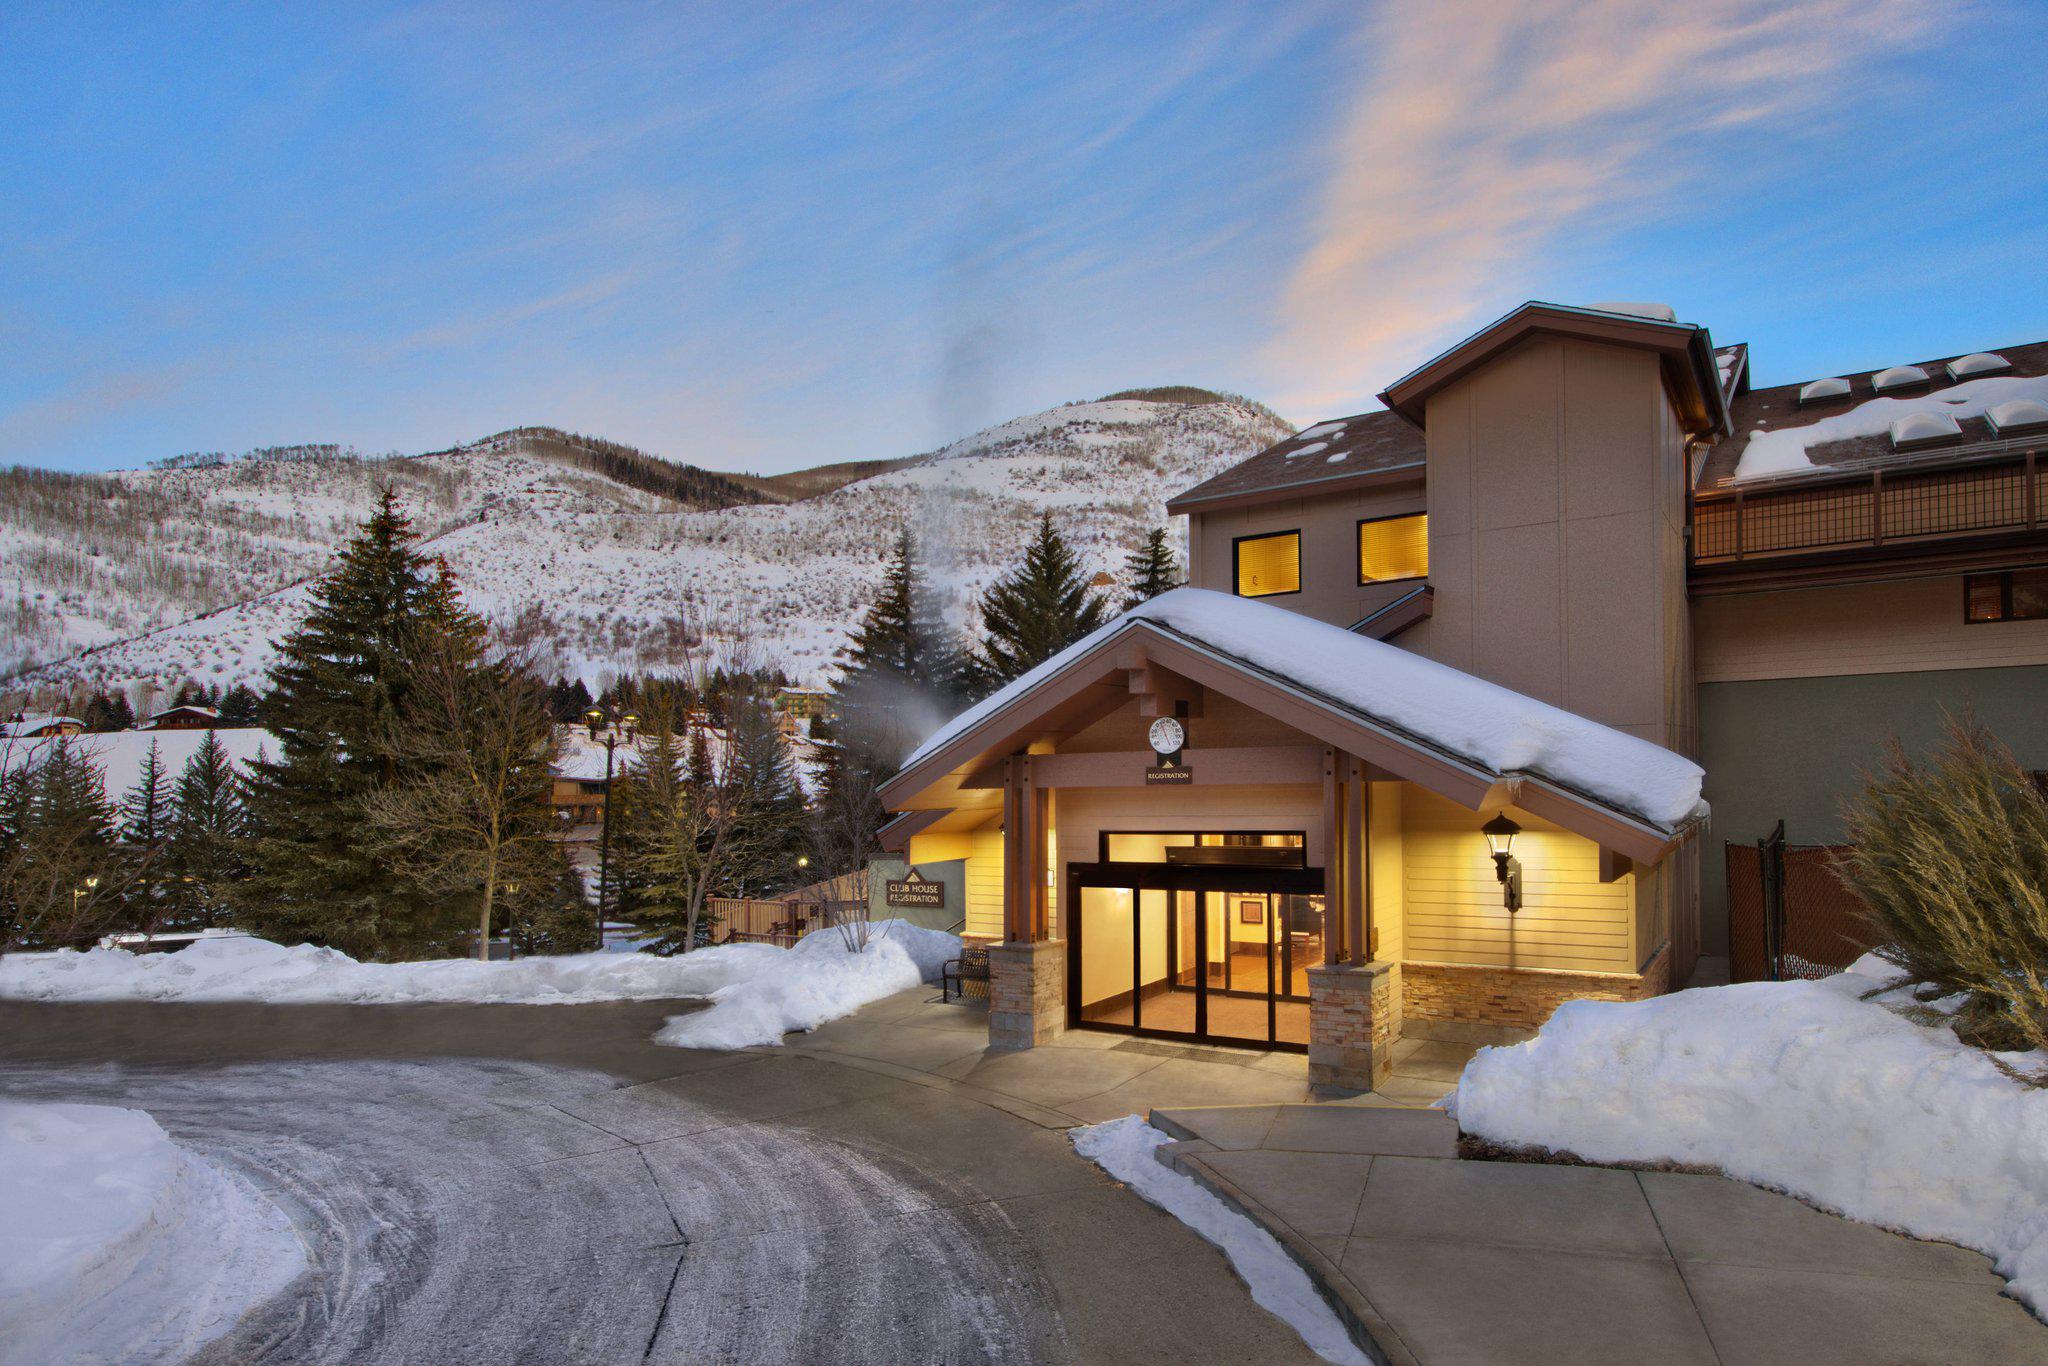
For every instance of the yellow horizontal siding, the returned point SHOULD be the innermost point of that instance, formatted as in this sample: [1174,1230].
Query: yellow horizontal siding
[985,885]
[1452,907]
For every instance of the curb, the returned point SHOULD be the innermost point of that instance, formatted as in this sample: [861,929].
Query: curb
[1368,1328]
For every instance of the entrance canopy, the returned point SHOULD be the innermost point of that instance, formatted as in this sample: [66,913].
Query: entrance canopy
[1407,717]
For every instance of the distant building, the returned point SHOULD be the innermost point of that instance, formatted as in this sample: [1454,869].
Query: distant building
[185,718]
[796,708]
[22,726]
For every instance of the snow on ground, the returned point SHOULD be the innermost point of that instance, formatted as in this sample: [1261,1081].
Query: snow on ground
[758,991]
[1483,723]
[818,981]
[1785,450]
[1127,1149]
[250,969]
[119,1245]
[1803,1087]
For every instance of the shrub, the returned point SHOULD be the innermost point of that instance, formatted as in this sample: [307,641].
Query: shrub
[1950,858]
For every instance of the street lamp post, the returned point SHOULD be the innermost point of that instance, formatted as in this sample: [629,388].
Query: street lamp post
[597,716]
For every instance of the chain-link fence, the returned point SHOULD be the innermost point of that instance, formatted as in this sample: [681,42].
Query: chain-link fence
[1788,914]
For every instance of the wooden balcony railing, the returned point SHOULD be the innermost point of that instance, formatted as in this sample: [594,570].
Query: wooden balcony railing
[1981,490]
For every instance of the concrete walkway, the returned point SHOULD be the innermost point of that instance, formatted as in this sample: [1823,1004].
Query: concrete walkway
[1435,1259]
[1086,1077]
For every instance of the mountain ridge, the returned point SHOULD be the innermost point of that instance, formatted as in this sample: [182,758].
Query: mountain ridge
[593,574]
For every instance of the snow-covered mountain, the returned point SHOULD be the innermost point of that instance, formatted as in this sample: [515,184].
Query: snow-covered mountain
[192,572]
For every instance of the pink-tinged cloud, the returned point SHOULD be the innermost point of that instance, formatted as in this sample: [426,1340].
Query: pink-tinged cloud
[1489,135]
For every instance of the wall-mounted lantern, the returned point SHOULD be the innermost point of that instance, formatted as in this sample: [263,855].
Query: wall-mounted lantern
[1500,835]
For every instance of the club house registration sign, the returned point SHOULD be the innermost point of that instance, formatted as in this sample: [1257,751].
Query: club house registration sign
[915,890]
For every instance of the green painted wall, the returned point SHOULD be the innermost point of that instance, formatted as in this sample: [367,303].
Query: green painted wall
[1792,748]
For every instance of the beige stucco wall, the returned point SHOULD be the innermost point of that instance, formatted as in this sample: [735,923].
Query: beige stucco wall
[1451,902]
[1866,628]
[1328,524]
[1557,520]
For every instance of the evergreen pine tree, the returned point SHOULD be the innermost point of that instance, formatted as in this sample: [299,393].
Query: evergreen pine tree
[98,714]
[338,688]
[204,855]
[900,677]
[62,876]
[1152,569]
[238,706]
[120,716]
[766,785]
[145,828]
[1037,611]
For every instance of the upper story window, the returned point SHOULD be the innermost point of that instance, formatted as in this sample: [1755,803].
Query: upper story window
[2015,595]
[1268,565]
[1393,548]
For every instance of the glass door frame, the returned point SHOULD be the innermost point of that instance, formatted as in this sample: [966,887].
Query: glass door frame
[1172,878]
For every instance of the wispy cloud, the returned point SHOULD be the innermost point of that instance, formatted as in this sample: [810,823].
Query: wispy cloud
[1489,136]
[85,402]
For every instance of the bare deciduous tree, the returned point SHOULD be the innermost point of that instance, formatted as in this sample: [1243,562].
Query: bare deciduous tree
[483,747]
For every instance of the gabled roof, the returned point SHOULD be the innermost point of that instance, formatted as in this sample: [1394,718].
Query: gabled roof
[1412,717]
[1341,453]
[1690,370]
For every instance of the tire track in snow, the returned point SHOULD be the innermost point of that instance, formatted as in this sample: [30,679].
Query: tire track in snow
[475,1210]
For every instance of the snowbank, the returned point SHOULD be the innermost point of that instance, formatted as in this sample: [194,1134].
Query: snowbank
[257,970]
[758,992]
[1785,450]
[119,1245]
[1799,1086]
[1482,723]
[817,981]
[1127,1149]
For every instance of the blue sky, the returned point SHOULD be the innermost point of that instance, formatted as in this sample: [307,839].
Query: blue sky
[762,237]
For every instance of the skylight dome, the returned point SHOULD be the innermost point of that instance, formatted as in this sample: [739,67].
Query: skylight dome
[2018,415]
[1978,363]
[1823,389]
[1898,377]
[1923,429]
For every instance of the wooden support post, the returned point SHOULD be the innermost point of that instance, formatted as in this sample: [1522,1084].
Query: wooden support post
[1013,852]
[1357,883]
[1333,858]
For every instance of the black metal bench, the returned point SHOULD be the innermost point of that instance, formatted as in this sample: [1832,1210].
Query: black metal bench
[970,966]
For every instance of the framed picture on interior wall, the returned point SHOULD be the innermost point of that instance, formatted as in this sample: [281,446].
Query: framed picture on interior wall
[1251,912]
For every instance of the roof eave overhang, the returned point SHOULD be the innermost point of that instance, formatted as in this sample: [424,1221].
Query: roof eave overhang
[1300,488]
[1686,350]
[939,780]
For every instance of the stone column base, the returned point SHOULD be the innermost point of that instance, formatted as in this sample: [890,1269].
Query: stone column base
[1354,1017]
[1027,992]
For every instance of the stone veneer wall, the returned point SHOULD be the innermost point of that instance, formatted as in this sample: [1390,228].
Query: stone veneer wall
[1521,997]
[1354,1017]
[1027,992]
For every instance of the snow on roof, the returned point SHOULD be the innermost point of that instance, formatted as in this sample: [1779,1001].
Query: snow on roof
[1977,363]
[1898,377]
[1662,313]
[185,708]
[1324,429]
[1823,389]
[1312,448]
[1785,450]
[1914,428]
[29,725]
[120,754]
[2019,414]
[1480,723]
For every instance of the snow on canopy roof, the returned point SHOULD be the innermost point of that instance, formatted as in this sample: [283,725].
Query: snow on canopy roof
[1483,724]
[1898,377]
[1977,363]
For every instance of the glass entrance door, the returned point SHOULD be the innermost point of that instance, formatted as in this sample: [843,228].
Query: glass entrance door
[1225,959]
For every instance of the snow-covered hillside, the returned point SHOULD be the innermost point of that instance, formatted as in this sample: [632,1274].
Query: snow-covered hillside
[600,579]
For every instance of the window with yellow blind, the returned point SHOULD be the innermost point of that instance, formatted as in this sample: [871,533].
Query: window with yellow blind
[1393,548]
[1268,565]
